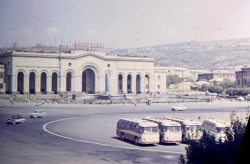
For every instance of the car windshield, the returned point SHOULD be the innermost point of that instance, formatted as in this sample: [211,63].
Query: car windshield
[171,128]
[149,129]
[16,116]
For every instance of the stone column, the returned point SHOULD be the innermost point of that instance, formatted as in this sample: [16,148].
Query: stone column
[100,88]
[26,84]
[49,84]
[38,84]
[112,83]
[14,83]
[77,84]
[124,84]
[63,83]
[134,84]
[143,84]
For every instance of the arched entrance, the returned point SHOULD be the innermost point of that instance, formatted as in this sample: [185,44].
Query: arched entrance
[43,82]
[32,83]
[88,81]
[147,83]
[138,84]
[54,83]
[129,83]
[120,83]
[69,82]
[20,82]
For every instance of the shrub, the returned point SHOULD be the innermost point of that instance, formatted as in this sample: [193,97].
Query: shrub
[207,150]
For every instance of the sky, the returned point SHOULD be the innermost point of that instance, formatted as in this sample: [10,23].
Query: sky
[121,23]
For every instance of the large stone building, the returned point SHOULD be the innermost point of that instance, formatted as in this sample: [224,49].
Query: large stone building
[243,78]
[80,71]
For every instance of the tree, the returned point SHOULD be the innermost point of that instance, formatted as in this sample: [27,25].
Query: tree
[215,89]
[207,150]
[204,87]
[238,91]
[225,84]
[173,79]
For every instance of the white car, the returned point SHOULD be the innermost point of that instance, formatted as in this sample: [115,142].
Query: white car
[240,99]
[178,108]
[37,113]
[15,119]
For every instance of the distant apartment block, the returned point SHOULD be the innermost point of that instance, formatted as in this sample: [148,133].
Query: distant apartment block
[217,75]
[243,78]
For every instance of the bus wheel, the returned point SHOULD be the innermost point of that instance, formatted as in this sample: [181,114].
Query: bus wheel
[123,137]
[136,140]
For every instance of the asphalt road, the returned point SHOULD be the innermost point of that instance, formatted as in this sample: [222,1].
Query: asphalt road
[86,133]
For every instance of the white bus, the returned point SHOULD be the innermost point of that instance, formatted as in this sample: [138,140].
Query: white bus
[137,130]
[216,128]
[191,130]
[170,131]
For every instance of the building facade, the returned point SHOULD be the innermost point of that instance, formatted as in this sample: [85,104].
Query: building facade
[243,78]
[80,71]
[2,83]
[217,75]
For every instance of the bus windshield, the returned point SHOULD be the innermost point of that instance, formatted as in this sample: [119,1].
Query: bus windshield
[149,129]
[193,127]
[220,129]
[171,128]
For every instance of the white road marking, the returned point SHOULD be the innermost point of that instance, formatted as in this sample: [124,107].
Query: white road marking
[96,143]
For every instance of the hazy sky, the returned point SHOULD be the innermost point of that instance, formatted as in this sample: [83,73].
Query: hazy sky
[121,23]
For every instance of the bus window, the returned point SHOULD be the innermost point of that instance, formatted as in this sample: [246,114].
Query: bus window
[186,127]
[131,126]
[177,128]
[149,129]
[127,124]
[118,123]
[155,129]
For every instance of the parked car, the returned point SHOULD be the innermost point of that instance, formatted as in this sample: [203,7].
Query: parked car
[240,99]
[37,113]
[178,108]
[15,119]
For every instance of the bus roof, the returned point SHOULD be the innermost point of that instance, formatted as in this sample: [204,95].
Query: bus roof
[163,121]
[142,123]
[217,123]
[184,121]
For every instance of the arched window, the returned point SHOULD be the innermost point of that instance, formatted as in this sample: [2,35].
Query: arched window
[69,81]
[129,83]
[32,83]
[43,82]
[120,83]
[20,82]
[138,84]
[54,83]
[88,81]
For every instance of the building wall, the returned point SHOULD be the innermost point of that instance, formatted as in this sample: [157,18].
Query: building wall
[217,75]
[2,83]
[80,71]
[243,78]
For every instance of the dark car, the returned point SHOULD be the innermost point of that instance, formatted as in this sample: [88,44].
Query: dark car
[15,119]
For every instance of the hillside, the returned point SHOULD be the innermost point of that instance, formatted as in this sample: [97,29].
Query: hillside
[222,54]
